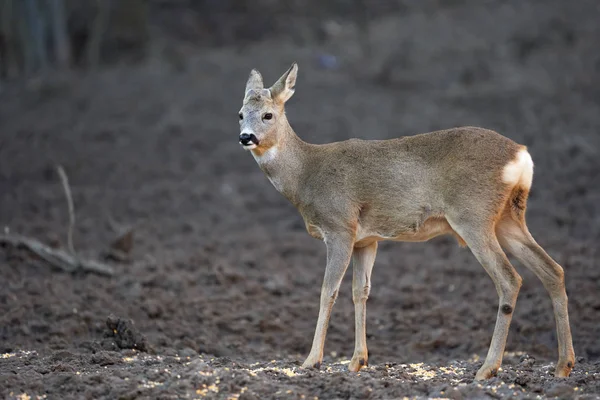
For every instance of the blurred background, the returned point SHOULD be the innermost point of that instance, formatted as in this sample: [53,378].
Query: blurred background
[138,101]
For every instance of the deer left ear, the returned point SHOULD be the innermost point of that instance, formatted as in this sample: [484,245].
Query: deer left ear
[255,81]
[284,88]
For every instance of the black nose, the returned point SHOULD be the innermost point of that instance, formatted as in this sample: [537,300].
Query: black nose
[247,138]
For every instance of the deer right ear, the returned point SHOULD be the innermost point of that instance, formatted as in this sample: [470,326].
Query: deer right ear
[284,88]
[255,81]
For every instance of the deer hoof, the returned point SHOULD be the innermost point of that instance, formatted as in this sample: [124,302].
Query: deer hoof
[311,364]
[563,369]
[357,363]
[486,372]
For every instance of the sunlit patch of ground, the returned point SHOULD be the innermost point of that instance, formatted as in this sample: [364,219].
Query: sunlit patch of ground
[199,377]
[18,354]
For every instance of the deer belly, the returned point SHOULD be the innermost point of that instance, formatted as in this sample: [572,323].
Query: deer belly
[429,229]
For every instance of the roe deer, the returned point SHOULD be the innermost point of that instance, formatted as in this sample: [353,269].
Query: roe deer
[468,182]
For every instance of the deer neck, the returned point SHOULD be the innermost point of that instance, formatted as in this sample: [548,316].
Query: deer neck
[284,162]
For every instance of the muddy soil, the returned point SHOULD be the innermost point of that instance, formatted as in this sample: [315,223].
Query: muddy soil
[221,288]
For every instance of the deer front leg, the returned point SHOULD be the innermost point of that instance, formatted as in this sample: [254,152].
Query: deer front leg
[339,251]
[362,265]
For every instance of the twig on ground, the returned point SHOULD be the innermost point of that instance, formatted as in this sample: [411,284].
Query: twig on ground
[66,260]
[65,183]
[56,257]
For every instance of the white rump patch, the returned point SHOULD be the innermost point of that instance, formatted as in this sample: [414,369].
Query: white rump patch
[519,171]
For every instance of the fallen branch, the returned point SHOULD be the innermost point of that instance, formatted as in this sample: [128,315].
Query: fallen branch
[56,257]
[67,261]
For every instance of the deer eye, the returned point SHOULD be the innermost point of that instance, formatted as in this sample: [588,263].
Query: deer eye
[268,116]
[241,116]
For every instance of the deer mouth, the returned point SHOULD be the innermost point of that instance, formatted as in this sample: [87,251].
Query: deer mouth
[248,141]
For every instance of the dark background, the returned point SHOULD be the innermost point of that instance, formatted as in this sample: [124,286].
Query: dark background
[138,101]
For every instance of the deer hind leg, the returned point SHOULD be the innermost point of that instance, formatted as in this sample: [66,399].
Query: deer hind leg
[484,245]
[362,264]
[339,251]
[516,239]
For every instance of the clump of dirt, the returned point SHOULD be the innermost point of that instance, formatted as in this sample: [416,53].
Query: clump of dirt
[125,334]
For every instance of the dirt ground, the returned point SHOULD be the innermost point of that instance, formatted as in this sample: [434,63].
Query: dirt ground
[223,281]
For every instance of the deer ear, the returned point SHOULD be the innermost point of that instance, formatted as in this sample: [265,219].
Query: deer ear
[284,88]
[255,81]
